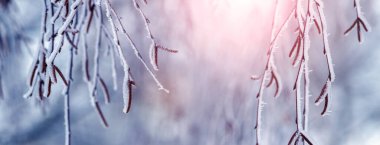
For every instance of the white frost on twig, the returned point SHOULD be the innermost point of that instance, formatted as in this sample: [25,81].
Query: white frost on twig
[137,53]
[61,30]
[121,56]
[150,36]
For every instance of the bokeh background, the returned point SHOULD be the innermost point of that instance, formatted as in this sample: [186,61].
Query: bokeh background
[221,43]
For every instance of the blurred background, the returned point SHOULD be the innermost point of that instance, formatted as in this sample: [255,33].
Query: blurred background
[221,43]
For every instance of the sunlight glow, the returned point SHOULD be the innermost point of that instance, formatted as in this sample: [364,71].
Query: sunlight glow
[244,5]
[238,23]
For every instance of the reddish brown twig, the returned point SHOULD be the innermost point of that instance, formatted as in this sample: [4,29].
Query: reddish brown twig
[359,22]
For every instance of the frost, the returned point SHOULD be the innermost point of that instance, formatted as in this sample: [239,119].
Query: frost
[69,18]
[121,56]
[152,49]
[137,53]
[326,47]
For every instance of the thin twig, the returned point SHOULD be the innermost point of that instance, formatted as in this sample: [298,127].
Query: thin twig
[123,60]
[137,53]
[268,70]
[359,22]
[153,51]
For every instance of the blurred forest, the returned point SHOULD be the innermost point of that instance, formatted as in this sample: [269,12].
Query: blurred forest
[212,99]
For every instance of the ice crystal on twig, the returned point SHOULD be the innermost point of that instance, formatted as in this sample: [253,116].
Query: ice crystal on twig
[360,22]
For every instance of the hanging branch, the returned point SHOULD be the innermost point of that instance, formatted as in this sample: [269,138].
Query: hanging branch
[61,31]
[44,71]
[49,70]
[302,57]
[137,53]
[67,97]
[38,62]
[67,94]
[92,81]
[298,102]
[305,20]
[127,76]
[306,82]
[270,69]
[301,41]
[359,22]
[153,49]
[326,50]
[123,60]
[97,76]
[74,20]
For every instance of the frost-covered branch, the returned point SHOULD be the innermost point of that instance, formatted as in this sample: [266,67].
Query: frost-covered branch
[270,70]
[70,23]
[92,80]
[305,16]
[75,19]
[123,60]
[62,14]
[67,98]
[302,110]
[360,21]
[326,50]
[61,31]
[305,20]
[153,49]
[137,53]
